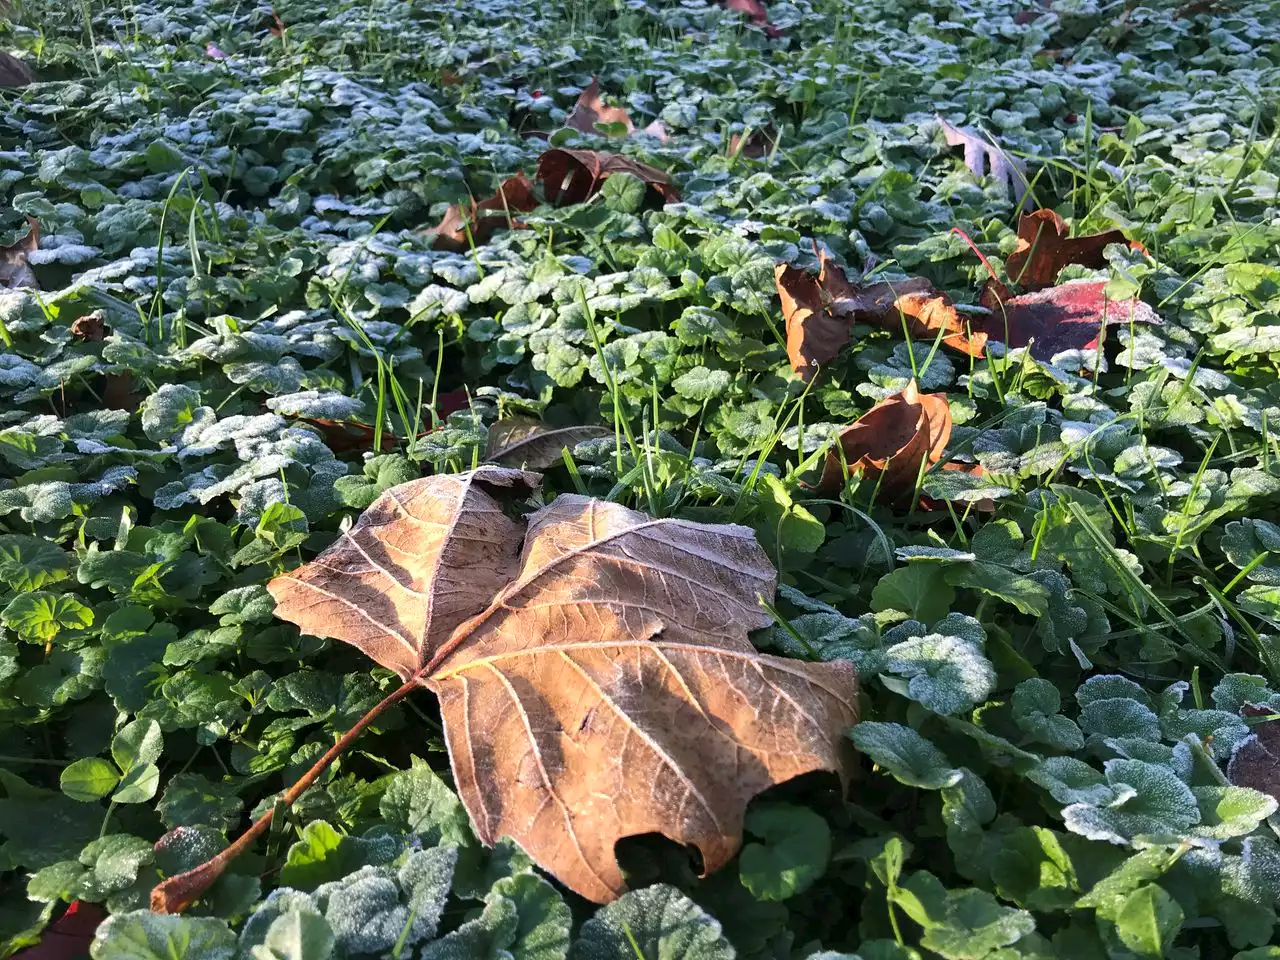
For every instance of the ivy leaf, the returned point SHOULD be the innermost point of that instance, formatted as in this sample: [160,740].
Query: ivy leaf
[918,590]
[1148,921]
[40,616]
[143,935]
[89,779]
[658,921]
[794,855]
[946,671]
[29,563]
[909,757]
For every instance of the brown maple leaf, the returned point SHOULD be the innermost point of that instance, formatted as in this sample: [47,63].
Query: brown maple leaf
[14,270]
[1044,249]
[1255,762]
[594,670]
[571,176]
[526,443]
[982,155]
[814,336]
[484,219]
[13,72]
[891,444]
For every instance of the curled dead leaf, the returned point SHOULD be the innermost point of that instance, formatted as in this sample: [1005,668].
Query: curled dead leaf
[891,443]
[13,72]
[814,336]
[14,270]
[595,674]
[1071,316]
[514,195]
[526,443]
[982,154]
[571,176]
[756,144]
[1044,248]
[90,328]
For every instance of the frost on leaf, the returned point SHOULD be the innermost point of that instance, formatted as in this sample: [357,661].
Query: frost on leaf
[597,685]
[530,445]
[658,921]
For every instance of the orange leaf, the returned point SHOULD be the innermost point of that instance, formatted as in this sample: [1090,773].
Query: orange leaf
[487,217]
[571,176]
[1044,249]
[891,442]
[590,110]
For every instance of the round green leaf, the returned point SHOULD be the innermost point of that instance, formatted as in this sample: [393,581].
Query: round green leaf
[89,779]
[794,855]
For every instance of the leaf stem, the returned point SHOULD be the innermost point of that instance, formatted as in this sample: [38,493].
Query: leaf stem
[178,892]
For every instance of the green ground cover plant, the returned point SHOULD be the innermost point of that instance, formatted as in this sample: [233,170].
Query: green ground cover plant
[260,265]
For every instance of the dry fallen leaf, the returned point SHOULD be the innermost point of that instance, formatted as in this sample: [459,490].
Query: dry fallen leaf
[521,442]
[1072,316]
[758,143]
[819,313]
[515,195]
[756,12]
[891,443]
[814,336]
[1255,762]
[595,684]
[1044,249]
[571,176]
[590,110]
[13,72]
[981,154]
[91,328]
[14,270]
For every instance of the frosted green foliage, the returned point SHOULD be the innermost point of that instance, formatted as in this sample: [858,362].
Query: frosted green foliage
[658,921]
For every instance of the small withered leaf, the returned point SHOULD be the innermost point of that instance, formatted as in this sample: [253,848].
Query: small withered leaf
[1044,248]
[1255,762]
[571,176]
[891,443]
[526,443]
[982,155]
[590,110]
[814,336]
[514,195]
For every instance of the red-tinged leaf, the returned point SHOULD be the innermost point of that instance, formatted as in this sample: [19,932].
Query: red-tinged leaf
[1072,316]
[571,176]
[590,110]
[451,401]
[68,937]
[756,12]
[487,217]
[891,443]
[982,154]
[1044,249]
